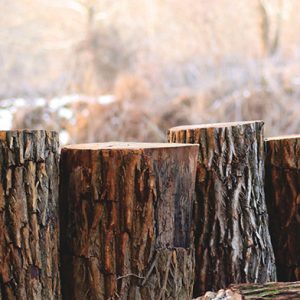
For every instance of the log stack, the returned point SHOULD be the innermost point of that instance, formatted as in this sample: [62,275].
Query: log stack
[232,240]
[247,291]
[132,225]
[126,221]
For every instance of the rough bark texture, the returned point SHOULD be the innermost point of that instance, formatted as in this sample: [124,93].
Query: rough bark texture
[283,200]
[271,290]
[126,219]
[29,215]
[232,240]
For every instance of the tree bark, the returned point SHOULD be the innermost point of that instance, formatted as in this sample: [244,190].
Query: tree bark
[126,221]
[283,200]
[271,290]
[29,215]
[232,240]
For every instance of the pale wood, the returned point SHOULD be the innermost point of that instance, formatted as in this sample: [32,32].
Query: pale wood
[271,290]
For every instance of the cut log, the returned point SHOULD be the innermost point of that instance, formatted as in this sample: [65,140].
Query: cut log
[29,215]
[271,290]
[282,189]
[126,221]
[232,240]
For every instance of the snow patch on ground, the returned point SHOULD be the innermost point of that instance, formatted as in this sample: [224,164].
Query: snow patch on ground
[6,118]
[60,106]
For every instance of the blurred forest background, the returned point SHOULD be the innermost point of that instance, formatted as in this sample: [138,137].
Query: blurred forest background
[130,69]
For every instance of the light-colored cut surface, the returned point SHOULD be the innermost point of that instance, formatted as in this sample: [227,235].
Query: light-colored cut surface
[283,137]
[212,125]
[124,145]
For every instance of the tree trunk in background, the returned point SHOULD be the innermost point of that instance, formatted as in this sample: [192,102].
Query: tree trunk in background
[282,189]
[29,215]
[272,290]
[232,240]
[126,221]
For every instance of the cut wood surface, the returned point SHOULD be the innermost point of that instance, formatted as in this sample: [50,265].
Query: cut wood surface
[282,189]
[232,240]
[126,219]
[271,290]
[29,215]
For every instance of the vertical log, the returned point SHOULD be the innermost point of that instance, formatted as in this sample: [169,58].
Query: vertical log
[126,221]
[232,240]
[282,189]
[29,215]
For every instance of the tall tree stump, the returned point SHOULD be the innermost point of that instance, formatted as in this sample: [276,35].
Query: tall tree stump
[126,221]
[232,240]
[282,189]
[29,215]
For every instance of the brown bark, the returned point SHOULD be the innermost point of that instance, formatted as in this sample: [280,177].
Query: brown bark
[282,189]
[126,219]
[232,240]
[29,215]
[271,290]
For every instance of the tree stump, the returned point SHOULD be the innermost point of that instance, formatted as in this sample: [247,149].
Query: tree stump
[271,290]
[282,189]
[232,240]
[29,215]
[126,221]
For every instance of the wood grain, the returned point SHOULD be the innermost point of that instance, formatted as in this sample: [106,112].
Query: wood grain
[271,290]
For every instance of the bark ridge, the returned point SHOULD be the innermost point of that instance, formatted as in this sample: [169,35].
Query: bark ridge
[232,240]
[29,215]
